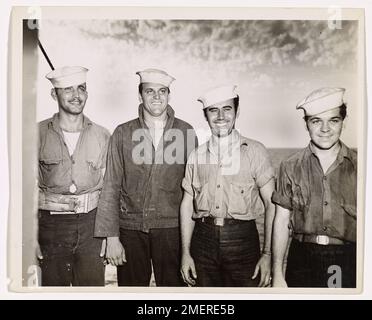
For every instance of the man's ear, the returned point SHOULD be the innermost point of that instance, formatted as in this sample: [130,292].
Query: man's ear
[140,98]
[237,113]
[53,93]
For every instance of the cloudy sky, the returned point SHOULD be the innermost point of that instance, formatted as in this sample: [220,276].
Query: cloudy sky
[275,64]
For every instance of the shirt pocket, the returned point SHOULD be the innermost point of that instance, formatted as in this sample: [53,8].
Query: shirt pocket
[93,164]
[239,198]
[349,210]
[49,164]
[299,201]
[201,202]
[50,172]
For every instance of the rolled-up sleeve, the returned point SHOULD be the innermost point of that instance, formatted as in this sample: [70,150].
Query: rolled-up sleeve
[189,171]
[261,164]
[108,212]
[283,194]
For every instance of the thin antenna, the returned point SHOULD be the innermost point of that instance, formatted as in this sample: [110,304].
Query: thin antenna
[45,54]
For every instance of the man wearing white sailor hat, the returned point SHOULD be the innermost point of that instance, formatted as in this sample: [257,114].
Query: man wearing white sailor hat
[72,158]
[316,195]
[138,210]
[228,183]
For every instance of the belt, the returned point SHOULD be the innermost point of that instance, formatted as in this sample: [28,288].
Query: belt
[76,204]
[220,221]
[318,239]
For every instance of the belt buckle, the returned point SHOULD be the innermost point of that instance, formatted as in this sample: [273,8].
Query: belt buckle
[219,222]
[322,240]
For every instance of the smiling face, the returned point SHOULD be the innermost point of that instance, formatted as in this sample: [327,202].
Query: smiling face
[325,128]
[71,99]
[155,98]
[221,117]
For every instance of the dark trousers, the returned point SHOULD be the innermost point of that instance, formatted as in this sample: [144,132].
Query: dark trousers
[311,265]
[225,256]
[161,246]
[71,254]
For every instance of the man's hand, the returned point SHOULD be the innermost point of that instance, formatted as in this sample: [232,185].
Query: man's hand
[264,268]
[279,281]
[115,253]
[188,270]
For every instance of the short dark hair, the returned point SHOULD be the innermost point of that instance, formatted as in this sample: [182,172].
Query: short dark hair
[343,112]
[140,87]
[236,106]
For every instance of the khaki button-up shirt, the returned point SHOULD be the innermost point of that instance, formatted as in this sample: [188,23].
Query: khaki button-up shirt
[58,171]
[225,180]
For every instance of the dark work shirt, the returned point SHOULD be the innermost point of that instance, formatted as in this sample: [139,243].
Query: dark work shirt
[322,204]
[142,186]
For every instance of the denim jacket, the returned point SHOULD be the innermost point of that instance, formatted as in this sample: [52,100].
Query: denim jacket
[143,195]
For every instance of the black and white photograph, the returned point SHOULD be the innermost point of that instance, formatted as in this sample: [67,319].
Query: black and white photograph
[218,148]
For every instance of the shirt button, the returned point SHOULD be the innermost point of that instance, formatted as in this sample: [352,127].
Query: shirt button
[325,228]
[325,203]
[218,186]
[325,178]
[242,191]
[73,161]
[217,207]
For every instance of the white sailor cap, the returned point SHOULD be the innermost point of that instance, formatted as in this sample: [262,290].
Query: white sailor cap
[218,94]
[322,100]
[155,76]
[67,76]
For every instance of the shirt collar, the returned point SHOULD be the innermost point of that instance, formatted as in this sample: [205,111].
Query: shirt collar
[233,140]
[344,152]
[54,122]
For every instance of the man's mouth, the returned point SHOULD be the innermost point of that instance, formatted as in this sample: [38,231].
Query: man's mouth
[75,101]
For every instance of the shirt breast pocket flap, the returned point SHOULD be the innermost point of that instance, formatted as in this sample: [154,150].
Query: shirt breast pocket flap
[350,209]
[201,202]
[239,198]
[49,163]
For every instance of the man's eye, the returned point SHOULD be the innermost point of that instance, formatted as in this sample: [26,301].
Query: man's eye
[227,108]
[335,121]
[212,110]
[69,89]
[315,121]
[83,89]
[148,91]
[163,91]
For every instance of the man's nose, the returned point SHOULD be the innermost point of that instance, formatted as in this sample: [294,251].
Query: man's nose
[221,114]
[325,126]
[75,93]
[156,95]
